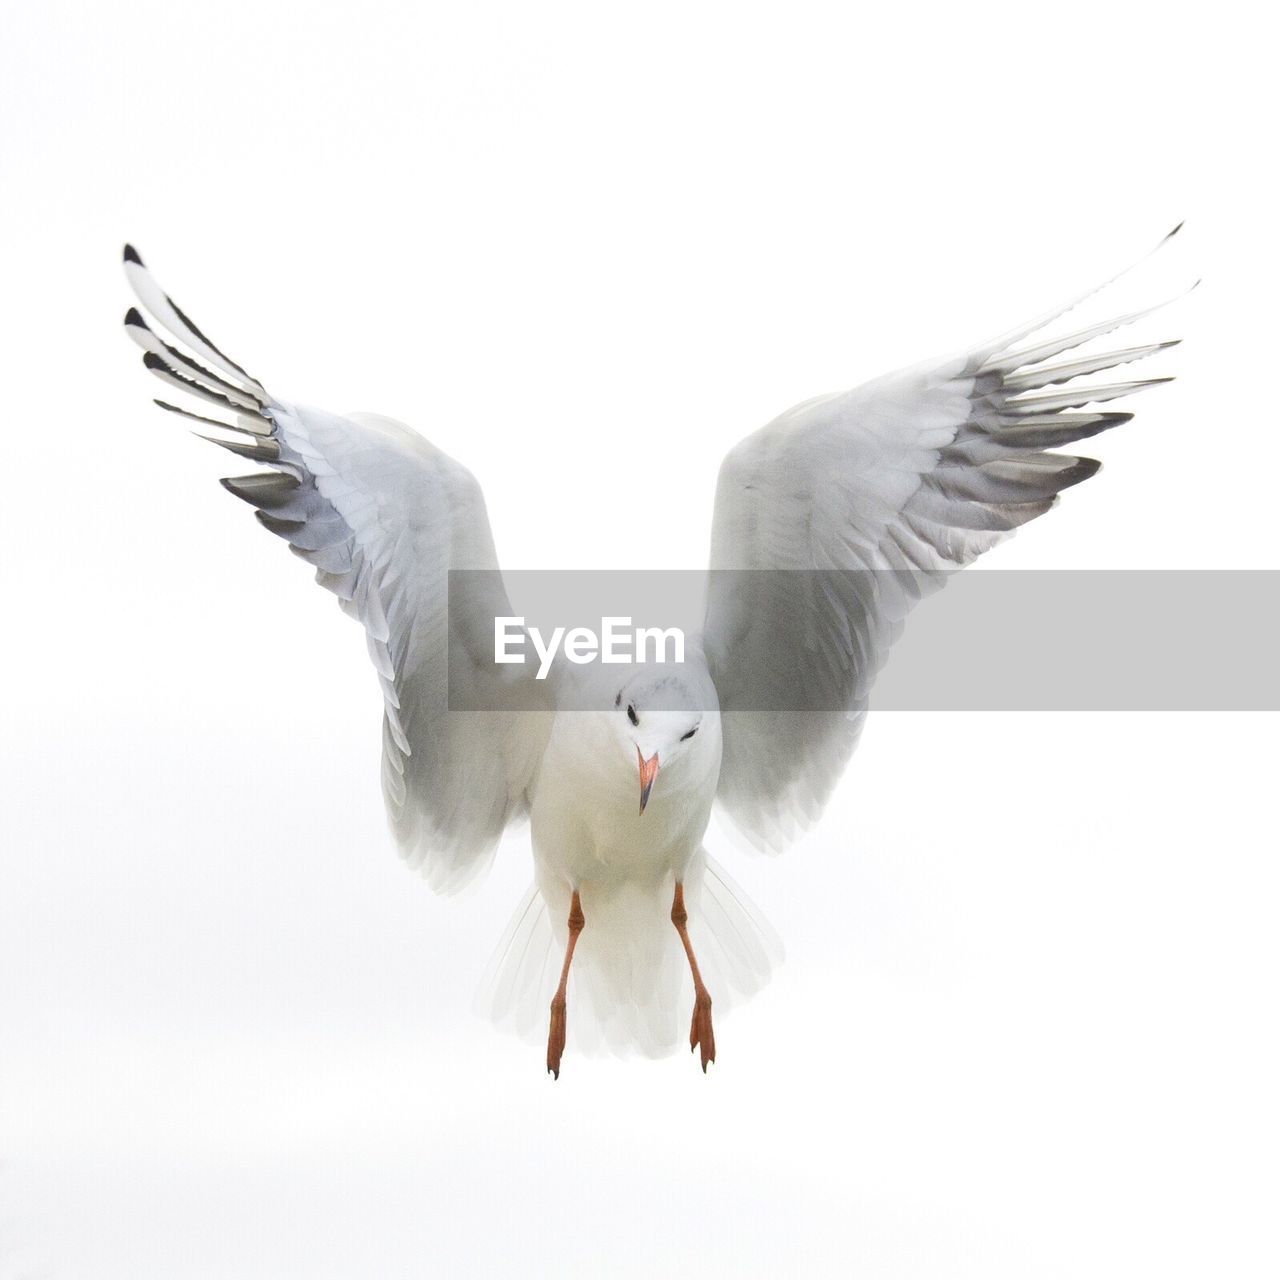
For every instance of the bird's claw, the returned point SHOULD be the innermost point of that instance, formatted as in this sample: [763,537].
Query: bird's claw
[701,1033]
[555,1038]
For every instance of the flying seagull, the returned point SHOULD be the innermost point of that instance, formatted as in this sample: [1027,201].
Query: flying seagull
[830,522]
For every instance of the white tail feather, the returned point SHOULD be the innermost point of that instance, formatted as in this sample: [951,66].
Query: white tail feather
[629,988]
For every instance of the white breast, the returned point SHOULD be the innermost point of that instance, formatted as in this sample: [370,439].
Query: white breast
[587,826]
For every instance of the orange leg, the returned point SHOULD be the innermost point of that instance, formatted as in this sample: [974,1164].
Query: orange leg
[559,1002]
[700,1032]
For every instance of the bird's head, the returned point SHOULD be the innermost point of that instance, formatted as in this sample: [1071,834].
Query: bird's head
[661,722]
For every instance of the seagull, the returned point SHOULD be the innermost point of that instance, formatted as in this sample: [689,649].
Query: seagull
[830,523]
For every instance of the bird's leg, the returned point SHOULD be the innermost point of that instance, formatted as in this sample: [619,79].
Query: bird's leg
[700,1032]
[559,1002]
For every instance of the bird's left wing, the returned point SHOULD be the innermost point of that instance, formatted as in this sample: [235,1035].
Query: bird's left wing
[834,519]
[383,516]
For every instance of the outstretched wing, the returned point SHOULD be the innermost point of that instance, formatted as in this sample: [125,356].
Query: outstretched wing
[848,508]
[383,516]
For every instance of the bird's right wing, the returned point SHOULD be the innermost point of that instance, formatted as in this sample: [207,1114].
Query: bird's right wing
[383,516]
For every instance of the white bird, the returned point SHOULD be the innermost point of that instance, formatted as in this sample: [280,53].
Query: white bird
[863,499]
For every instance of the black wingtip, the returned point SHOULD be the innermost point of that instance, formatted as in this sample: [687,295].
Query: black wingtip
[236,485]
[131,255]
[282,528]
[1176,229]
[1084,469]
[134,316]
[263,489]
[153,361]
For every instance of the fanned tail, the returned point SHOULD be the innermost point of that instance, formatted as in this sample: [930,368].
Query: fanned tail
[629,988]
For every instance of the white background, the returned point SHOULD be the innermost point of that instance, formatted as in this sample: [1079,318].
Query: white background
[1026,1024]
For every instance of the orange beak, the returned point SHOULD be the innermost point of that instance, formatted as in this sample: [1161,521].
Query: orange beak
[648,771]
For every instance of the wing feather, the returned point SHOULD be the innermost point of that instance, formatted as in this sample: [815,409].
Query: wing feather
[833,520]
[382,516]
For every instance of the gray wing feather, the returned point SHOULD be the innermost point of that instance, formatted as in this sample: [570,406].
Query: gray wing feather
[849,508]
[382,516]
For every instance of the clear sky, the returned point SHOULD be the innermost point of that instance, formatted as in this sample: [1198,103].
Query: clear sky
[1026,1023]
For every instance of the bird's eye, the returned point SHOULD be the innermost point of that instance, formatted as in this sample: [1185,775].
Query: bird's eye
[631,714]
[686,736]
